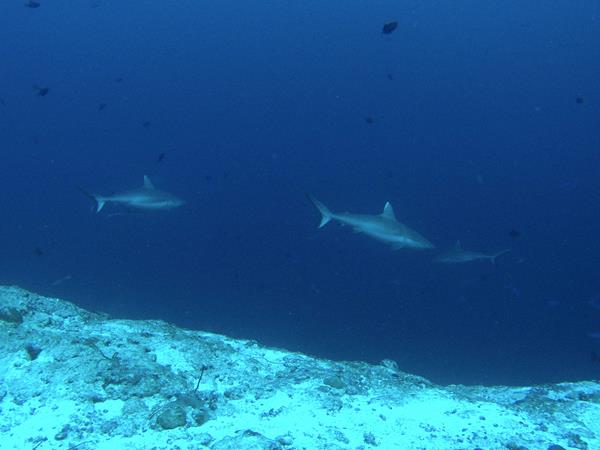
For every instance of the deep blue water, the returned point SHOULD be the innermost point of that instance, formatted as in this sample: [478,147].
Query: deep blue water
[489,123]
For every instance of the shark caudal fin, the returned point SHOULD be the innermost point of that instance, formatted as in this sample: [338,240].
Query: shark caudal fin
[496,255]
[100,201]
[326,214]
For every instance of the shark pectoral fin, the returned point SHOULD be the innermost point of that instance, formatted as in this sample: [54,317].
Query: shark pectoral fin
[147,183]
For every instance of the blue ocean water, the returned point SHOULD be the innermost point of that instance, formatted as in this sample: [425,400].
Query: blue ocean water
[478,121]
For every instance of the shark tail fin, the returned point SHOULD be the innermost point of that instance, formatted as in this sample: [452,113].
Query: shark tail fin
[100,201]
[326,214]
[496,255]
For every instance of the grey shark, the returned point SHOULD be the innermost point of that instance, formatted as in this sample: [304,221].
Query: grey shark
[384,227]
[459,255]
[146,197]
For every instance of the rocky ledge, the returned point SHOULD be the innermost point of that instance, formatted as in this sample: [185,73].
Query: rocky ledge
[70,378]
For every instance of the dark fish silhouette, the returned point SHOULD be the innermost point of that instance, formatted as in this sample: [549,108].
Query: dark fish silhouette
[370,120]
[41,91]
[514,234]
[388,28]
[38,251]
[160,157]
[118,80]
[101,106]
[390,77]
[579,99]
[146,124]
[32,4]
[2,102]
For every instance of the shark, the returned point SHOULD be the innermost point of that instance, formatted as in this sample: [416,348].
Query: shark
[383,227]
[459,255]
[146,197]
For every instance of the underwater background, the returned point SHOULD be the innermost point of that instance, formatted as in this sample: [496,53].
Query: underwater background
[477,120]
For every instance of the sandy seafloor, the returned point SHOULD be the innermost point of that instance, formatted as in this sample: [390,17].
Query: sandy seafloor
[70,378]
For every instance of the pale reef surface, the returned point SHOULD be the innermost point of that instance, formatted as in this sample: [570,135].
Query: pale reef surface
[70,378]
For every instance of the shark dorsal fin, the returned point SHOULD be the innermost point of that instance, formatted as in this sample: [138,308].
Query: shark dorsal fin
[388,211]
[147,183]
[458,245]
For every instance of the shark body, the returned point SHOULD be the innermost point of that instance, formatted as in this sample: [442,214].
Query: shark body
[458,255]
[146,197]
[384,227]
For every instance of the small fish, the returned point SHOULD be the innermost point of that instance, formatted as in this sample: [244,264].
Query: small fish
[579,99]
[41,91]
[32,4]
[553,303]
[388,28]
[161,156]
[514,291]
[370,120]
[390,77]
[101,106]
[38,251]
[146,124]
[61,280]
[594,302]
[2,102]
[514,233]
[119,80]
[569,185]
